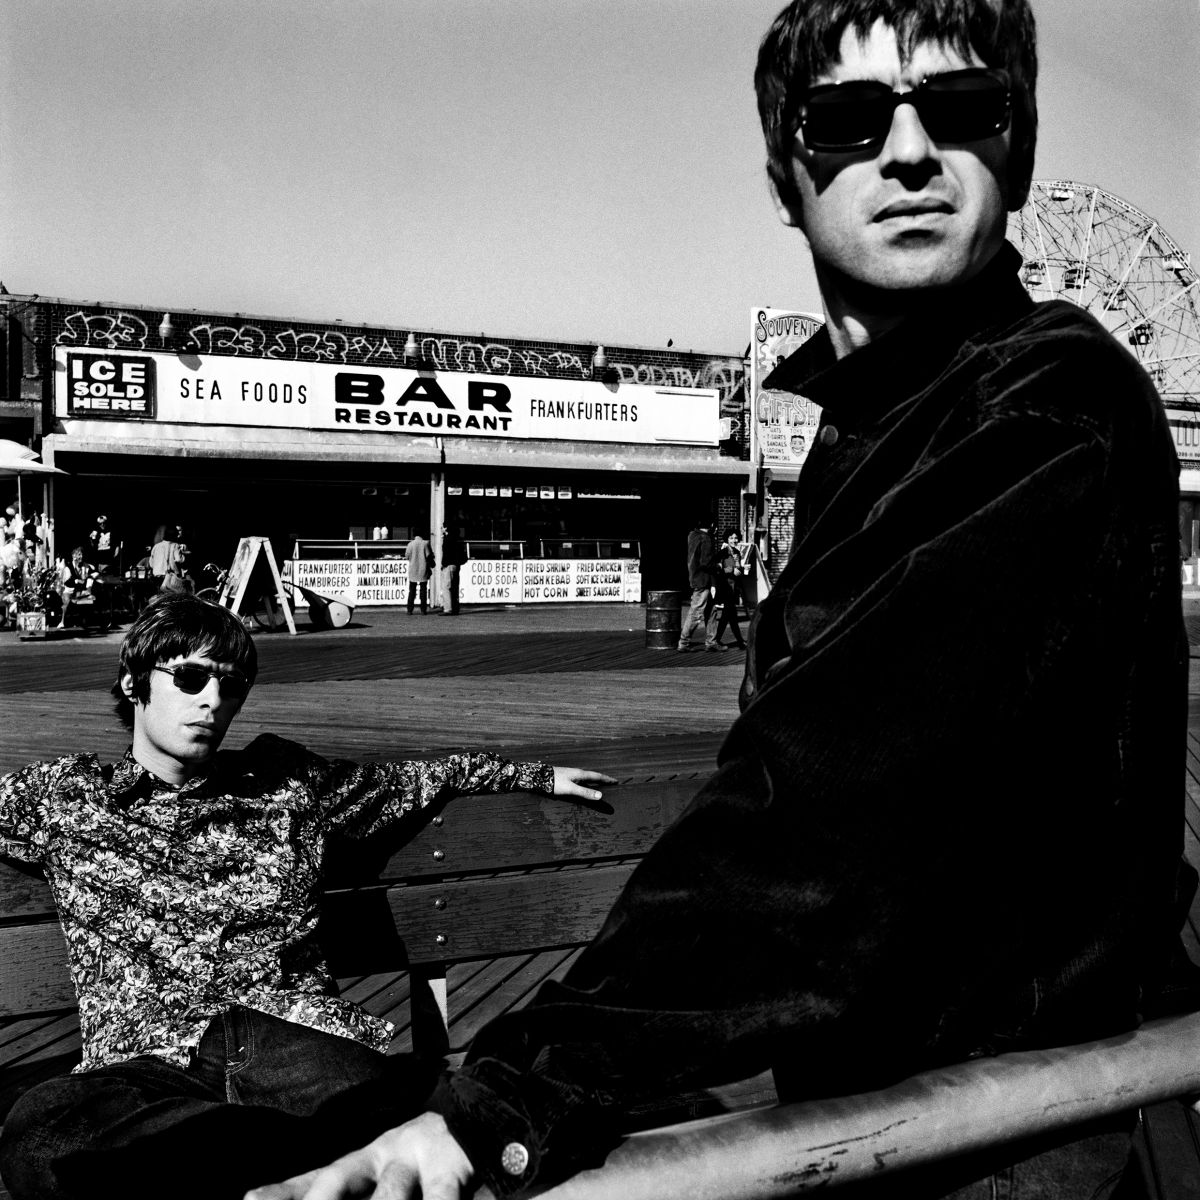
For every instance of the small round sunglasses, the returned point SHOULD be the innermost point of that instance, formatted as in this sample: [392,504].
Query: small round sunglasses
[193,680]
[954,106]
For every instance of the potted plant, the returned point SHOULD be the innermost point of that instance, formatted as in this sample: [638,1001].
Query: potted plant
[37,602]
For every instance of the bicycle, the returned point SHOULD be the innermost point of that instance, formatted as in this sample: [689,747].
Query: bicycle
[212,593]
[265,611]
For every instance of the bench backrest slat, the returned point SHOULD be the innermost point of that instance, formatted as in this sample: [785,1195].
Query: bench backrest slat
[490,833]
[493,918]
[35,977]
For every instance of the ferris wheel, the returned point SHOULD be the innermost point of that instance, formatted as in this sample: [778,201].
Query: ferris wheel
[1090,247]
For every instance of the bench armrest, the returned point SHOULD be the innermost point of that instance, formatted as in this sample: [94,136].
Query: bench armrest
[774,1152]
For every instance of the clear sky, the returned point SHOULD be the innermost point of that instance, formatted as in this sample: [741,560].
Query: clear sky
[569,169]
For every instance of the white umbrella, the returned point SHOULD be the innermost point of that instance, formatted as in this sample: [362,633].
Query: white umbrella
[19,460]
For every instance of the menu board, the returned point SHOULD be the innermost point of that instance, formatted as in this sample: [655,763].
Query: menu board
[551,580]
[570,579]
[384,581]
[354,581]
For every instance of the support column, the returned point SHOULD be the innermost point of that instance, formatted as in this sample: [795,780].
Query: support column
[49,504]
[437,518]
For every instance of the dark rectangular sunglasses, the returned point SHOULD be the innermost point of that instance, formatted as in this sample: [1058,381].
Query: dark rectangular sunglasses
[193,680]
[954,106]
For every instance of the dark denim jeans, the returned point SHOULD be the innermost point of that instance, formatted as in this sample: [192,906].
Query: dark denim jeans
[724,614]
[262,1099]
[421,586]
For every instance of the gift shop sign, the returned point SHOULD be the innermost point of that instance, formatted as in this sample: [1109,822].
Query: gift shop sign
[216,390]
[782,424]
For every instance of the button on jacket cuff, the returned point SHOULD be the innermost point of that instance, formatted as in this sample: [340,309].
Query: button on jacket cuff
[505,1118]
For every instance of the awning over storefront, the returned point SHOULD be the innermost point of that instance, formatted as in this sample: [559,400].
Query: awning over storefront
[186,441]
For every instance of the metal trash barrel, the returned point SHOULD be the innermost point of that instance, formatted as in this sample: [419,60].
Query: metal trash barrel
[663,619]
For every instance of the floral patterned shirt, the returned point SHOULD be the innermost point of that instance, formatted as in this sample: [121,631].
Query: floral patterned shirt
[177,903]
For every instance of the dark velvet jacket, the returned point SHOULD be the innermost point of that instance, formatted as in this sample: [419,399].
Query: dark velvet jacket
[949,819]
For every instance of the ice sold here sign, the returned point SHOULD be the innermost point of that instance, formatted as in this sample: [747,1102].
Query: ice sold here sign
[110,385]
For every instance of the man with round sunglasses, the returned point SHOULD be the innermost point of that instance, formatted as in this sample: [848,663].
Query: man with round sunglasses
[188,884]
[948,822]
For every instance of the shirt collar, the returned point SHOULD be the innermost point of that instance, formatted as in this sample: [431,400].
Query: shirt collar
[131,781]
[909,357]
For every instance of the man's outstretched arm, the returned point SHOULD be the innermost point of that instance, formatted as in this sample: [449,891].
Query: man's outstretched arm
[362,799]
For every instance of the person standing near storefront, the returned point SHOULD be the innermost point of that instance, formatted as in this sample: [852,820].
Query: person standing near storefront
[703,570]
[739,566]
[420,558]
[725,613]
[166,562]
[106,546]
[453,555]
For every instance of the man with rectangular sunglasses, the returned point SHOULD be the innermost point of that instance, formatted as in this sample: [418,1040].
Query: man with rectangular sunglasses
[188,886]
[948,821]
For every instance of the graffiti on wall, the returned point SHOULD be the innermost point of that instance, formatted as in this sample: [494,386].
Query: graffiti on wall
[127,331]
[120,331]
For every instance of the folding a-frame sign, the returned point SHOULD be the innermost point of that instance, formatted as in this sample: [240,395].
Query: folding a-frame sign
[233,591]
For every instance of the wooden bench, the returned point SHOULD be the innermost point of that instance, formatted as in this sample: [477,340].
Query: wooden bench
[493,896]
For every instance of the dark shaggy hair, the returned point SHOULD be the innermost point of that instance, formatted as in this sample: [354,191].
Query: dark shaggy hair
[175,625]
[805,40]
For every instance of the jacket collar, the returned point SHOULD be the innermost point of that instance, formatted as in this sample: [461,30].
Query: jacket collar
[908,358]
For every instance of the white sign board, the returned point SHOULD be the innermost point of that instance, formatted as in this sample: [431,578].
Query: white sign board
[588,579]
[490,581]
[367,581]
[384,581]
[1185,429]
[114,385]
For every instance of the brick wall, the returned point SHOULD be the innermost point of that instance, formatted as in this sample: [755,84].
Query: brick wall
[728,514]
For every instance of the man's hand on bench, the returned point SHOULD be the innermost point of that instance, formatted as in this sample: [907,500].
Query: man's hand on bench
[570,781]
[419,1158]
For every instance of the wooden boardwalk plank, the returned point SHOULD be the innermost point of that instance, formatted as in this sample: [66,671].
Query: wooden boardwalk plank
[31,1037]
[1168,1147]
[399,719]
[377,993]
[91,664]
[515,990]
[1191,933]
